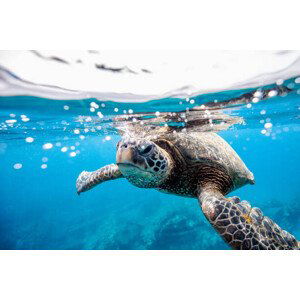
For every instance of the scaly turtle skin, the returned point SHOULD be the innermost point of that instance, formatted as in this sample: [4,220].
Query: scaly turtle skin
[199,165]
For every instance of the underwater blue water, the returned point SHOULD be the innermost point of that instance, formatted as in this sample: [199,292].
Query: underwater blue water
[39,206]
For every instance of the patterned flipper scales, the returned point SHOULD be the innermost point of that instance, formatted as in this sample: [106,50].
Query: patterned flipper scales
[243,227]
[87,180]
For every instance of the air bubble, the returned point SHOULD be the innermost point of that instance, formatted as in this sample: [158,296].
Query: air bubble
[47,146]
[66,107]
[64,149]
[94,105]
[10,121]
[279,81]
[272,93]
[73,154]
[18,166]
[29,139]
[258,94]
[263,131]
[268,125]
[44,166]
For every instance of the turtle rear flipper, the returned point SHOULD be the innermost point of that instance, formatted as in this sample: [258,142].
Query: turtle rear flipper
[88,180]
[244,227]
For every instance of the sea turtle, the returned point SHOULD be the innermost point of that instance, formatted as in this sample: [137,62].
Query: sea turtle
[194,164]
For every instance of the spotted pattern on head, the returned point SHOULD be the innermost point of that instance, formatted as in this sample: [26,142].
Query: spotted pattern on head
[156,161]
[152,162]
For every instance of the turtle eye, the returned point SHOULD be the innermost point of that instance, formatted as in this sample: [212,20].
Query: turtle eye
[146,150]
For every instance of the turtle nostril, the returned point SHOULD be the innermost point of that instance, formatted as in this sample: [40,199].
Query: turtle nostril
[146,150]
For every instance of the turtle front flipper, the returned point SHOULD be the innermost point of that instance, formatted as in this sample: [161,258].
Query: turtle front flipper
[244,227]
[88,180]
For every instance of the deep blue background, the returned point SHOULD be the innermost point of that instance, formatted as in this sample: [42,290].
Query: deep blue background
[39,208]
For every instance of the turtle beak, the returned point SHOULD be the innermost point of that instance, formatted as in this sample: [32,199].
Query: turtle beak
[125,156]
[126,153]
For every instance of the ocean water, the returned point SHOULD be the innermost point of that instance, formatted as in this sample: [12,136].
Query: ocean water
[46,143]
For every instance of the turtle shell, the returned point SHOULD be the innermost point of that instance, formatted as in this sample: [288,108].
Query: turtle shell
[210,148]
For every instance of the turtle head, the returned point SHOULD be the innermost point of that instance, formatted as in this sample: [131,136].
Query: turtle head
[143,162]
